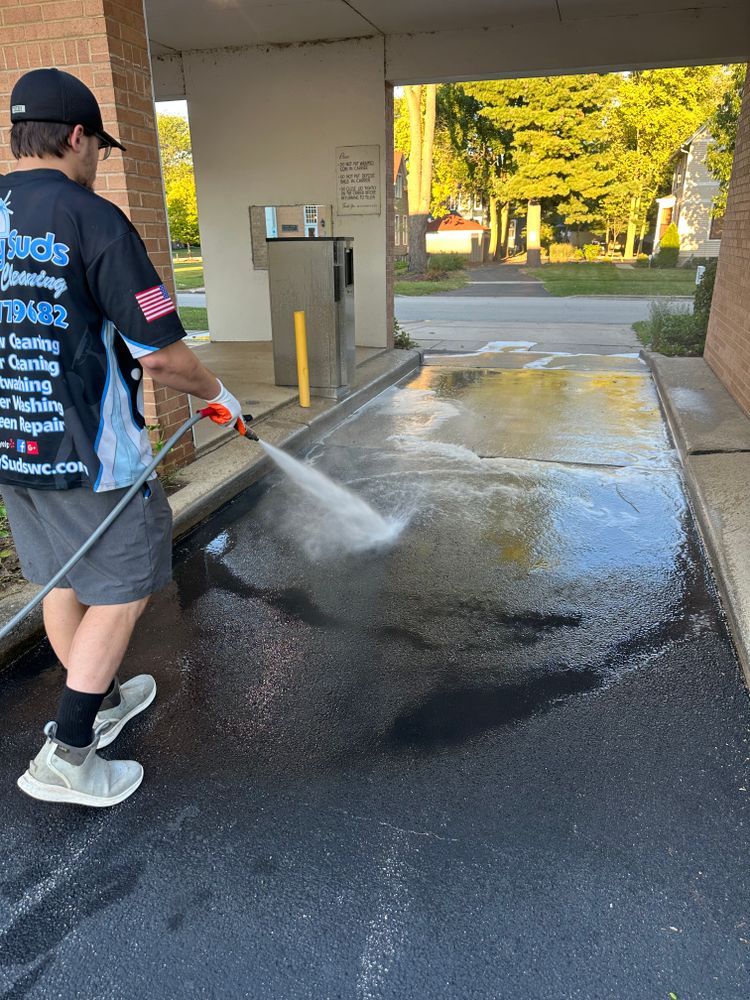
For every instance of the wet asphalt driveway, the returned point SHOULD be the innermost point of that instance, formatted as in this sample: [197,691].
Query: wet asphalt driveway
[507,758]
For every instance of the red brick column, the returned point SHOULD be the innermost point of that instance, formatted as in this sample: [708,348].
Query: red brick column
[104,43]
[728,340]
[390,235]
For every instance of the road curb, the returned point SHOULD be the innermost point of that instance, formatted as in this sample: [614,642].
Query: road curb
[715,480]
[219,476]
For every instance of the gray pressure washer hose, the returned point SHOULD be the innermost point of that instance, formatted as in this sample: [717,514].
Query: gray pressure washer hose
[114,514]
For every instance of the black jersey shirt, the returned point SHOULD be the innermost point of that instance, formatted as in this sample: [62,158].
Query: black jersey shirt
[80,302]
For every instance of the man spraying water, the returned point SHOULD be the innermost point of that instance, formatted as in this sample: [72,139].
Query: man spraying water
[83,313]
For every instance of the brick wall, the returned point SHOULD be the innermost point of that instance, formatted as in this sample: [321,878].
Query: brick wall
[728,340]
[104,43]
[390,253]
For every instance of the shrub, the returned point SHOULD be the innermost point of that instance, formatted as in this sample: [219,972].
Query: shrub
[446,262]
[561,253]
[704,294]
[578,254]
[591,251]
[642,260]
[546,235]
[675,331]
[697,262]
[401,338]
[669,248]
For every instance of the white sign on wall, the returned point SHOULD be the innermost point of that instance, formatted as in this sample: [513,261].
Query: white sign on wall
[358,180]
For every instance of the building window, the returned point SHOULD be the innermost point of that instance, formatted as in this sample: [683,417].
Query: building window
[397,229]
[405,222]
[400,185]
[716,228]
[311,215]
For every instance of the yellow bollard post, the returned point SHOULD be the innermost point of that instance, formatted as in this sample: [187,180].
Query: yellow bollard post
[303,374]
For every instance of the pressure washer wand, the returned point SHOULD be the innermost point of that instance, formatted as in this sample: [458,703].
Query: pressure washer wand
[243,429]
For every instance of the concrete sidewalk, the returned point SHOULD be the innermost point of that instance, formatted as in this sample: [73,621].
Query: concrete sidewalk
[712,435]
[581,309]
[224,472]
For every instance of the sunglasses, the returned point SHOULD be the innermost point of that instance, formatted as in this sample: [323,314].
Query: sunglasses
[105,150]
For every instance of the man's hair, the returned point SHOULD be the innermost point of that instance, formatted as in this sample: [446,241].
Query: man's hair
[39,139]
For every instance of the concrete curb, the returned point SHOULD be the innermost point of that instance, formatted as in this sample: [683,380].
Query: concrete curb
[219,476]
[641,298]
[712,436]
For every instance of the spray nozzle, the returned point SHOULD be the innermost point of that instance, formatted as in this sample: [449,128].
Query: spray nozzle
[243,426]
[215,411]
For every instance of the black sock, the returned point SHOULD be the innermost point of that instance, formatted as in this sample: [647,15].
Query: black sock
[75,717]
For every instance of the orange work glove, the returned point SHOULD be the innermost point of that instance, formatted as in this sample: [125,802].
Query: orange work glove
[225,408]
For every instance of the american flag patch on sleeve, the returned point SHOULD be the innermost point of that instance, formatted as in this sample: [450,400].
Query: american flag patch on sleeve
[155,302]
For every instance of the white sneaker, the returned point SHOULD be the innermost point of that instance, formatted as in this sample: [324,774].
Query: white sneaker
[123,703]
[62,773]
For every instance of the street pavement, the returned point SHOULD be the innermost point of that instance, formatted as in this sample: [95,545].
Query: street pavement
[503,759]
[194,299]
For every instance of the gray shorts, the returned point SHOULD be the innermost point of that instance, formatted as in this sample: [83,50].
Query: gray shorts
[131,560]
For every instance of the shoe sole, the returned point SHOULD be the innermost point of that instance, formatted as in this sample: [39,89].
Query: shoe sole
[111,735]
[51,793]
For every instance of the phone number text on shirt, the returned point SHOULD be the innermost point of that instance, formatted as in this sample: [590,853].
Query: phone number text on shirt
[44,313]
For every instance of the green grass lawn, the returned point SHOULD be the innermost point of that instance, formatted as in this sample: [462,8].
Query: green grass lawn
[188,274]
[193,318]
[642,328]
[457,280]
[606,279]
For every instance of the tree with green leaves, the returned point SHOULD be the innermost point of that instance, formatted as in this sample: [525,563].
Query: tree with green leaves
[723,128]
[448,170]
[468,156]
[479,153]
[653,114]
[182,209]
[593,149]
[555,128]
[179,178]
[174,146]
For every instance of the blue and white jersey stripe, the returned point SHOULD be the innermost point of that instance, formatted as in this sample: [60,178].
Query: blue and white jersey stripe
[122,447]
[137,350]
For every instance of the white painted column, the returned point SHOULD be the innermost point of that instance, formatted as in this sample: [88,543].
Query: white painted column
[265,126]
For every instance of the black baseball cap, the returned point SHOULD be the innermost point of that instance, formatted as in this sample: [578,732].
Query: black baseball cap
[51,95]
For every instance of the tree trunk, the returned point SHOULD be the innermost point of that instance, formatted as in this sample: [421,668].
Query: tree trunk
[428,142]
[504,219]
[642,235]
[422,138]
[533,232]
[417,244]
[414,104]
[493,229]
[632,223]
[417,251]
